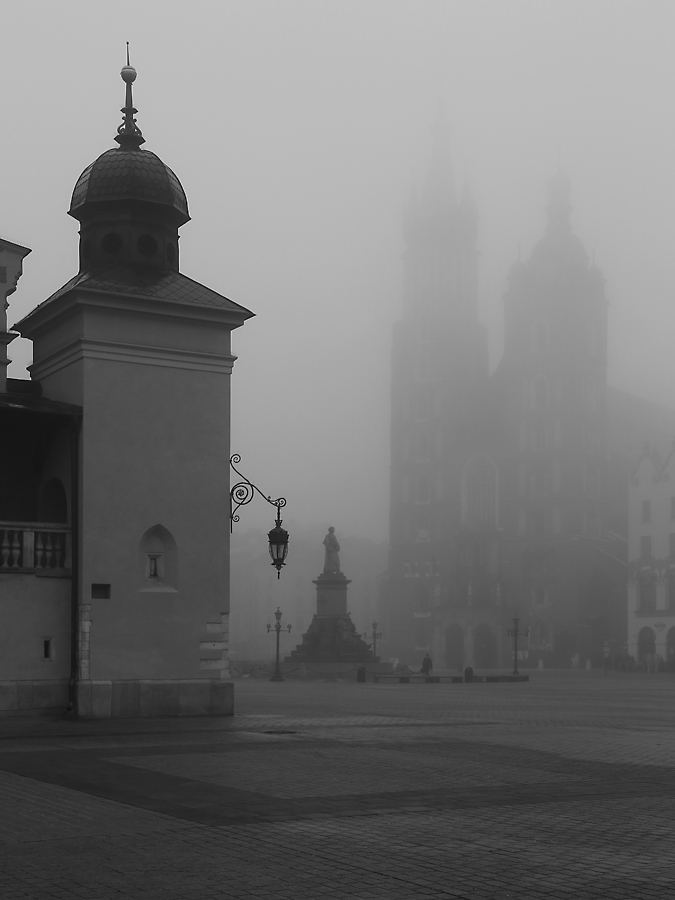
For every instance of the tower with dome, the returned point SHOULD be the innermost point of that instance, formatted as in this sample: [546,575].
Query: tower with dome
[117,544]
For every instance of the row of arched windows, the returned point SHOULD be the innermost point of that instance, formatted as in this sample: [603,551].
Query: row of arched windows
[541,392]
[647,645]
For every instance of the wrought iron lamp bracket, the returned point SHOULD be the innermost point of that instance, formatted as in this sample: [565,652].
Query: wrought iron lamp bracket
[244,491]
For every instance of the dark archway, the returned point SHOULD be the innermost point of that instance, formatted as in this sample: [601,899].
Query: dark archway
[646,644]
[670,649]
[484,648]
[53,505]
[454,647]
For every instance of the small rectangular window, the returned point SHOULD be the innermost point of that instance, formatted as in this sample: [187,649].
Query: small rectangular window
[646,511]
[556,522]
[100,592]
[646,546]
[46,648]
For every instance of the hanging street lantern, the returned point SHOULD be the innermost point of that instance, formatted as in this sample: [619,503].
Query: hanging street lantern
[241,494]
[278,538]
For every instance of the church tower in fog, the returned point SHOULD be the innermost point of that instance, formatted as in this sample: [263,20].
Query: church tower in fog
[439,377]
[550,394]
[499,484]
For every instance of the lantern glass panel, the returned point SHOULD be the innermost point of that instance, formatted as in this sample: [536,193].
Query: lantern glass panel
[278,538]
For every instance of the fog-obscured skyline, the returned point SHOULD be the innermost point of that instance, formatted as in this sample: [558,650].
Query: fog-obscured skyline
[297,130]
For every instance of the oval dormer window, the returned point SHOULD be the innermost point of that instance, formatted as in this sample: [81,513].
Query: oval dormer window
[147,245]
[111,243]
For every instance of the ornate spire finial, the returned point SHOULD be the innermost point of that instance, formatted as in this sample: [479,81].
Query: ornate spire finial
[129,135]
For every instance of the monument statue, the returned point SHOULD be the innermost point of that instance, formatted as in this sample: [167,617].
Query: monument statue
[332,641]
[331,563]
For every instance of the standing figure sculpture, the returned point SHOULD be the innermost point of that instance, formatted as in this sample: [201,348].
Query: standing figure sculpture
[331,563]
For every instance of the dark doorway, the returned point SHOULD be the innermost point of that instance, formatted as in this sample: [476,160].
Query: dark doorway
[485,648]
[53,506]
[454,647]
[670,649]
[646,644]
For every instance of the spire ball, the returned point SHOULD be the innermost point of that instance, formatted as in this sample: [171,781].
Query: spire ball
[128,74]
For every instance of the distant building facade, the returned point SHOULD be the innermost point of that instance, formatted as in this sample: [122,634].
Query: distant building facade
[114,531]
[651,536]
[502,492]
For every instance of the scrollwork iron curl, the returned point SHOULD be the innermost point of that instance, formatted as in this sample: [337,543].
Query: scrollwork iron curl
[241,494]
[244,491]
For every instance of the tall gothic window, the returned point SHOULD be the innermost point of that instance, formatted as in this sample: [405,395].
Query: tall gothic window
[480,502]
[423,489]
[647,592]
[422,449]
[646,510]
[670,590]
[540,392]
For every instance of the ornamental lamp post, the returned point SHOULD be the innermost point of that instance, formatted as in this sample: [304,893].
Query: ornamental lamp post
[241,494]
[376,635]
[277,627]
[515,634]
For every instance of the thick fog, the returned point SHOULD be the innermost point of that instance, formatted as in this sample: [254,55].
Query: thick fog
[297,129]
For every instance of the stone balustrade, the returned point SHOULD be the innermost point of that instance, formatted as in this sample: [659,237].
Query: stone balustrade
[41,548]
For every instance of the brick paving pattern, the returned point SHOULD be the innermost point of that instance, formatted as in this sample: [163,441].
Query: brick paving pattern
[560,788]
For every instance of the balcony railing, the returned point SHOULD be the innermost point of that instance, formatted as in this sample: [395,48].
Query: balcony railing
[41,548]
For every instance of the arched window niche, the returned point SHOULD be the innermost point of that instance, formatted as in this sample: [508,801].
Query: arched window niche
[53,503]
[158,561]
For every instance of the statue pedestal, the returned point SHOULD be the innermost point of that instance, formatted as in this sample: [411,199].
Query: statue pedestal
[332,637]
[331,594]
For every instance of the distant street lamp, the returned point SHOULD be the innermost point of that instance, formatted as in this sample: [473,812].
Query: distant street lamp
[241,494]
[515,634]
[277,671]
[376,635]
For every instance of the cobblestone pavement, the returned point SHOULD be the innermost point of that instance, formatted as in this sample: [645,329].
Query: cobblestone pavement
[563,787]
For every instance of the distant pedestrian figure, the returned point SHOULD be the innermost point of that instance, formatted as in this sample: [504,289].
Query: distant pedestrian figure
[331,563]
[427,665]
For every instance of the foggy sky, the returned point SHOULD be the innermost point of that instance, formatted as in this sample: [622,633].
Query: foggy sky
[297,129]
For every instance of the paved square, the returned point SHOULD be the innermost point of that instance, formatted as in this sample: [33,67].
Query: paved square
[563,787]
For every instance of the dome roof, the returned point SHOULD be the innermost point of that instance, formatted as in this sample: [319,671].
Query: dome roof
[129,174]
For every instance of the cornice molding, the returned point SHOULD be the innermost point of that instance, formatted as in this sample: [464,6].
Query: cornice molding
[138,354]
[77,299]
